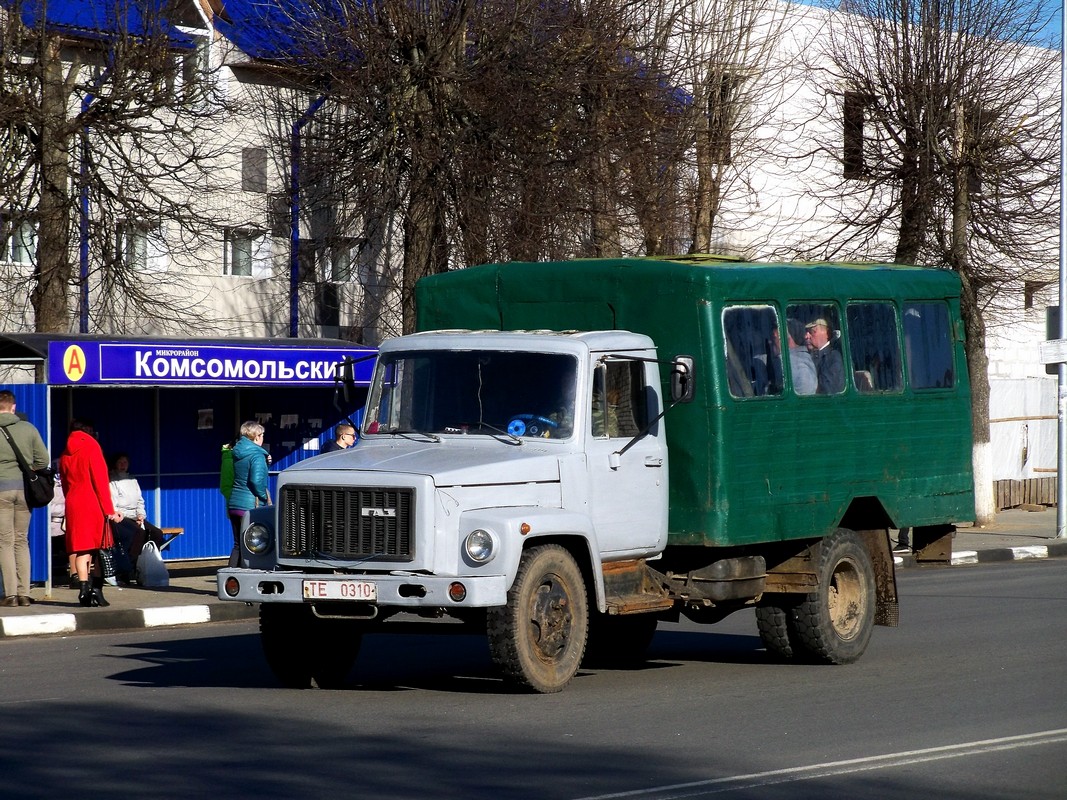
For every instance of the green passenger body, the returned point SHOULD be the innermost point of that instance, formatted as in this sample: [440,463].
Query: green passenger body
[750,470]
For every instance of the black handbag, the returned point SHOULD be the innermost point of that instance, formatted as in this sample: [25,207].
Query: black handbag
[107,552]
[39,484]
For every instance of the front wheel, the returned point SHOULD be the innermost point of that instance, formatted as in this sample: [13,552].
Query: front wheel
[833,624]
[538,638]
[301,648]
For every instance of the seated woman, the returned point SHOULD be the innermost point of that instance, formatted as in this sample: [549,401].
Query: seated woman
[135,529]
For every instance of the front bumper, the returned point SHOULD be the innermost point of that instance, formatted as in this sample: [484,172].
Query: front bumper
[409,591]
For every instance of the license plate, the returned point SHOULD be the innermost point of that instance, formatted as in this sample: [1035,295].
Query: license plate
[340,590]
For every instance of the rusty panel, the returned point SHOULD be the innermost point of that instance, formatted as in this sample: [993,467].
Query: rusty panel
[933,543]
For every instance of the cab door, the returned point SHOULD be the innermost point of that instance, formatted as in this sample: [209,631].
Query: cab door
[628,491]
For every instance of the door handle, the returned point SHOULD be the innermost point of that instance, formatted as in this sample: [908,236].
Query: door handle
[653,461]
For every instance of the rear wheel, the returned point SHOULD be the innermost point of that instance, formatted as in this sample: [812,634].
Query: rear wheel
[777,630]
[301,648]
[833,624]
[538,638]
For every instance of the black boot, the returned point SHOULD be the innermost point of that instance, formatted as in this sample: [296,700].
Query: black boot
[85,595]
[98,592]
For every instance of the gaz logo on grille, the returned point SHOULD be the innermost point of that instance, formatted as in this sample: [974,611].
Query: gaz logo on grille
[378,512]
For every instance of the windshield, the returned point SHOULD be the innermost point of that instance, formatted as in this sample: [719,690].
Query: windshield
[519,394]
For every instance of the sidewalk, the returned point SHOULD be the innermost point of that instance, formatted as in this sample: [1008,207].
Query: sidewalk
[191,597]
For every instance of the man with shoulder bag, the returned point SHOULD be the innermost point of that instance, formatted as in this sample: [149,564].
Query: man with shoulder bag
[20,443]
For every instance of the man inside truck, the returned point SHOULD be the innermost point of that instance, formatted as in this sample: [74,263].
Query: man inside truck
[825,351]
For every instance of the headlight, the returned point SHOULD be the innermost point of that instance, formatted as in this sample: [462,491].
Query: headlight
[479,546]
[257,539]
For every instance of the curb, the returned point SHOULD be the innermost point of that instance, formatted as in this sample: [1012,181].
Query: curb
[1054,550]
[992,555]
[99,620]
[124,619]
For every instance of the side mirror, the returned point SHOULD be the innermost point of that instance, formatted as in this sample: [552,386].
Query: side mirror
[344,378]
[683,379]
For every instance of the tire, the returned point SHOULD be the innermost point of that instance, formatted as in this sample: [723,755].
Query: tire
[777,630]
[301,648]
[833,624]
[538,639]
[619,641]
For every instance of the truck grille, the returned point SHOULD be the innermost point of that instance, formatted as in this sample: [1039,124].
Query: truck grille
[347,523]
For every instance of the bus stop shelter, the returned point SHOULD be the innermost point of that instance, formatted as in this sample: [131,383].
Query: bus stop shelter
[170,404]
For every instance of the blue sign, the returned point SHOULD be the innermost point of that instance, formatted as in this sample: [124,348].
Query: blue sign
[74,363]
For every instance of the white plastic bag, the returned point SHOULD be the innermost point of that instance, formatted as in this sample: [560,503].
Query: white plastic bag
[151,571]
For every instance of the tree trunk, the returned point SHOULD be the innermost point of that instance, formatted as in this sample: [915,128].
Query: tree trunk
[977,360]
[51,294]
[424,245]
[607,242]
[914,205]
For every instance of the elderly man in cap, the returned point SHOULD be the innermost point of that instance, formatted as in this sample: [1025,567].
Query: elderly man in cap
[829,364]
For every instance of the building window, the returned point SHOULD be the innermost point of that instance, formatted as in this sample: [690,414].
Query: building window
[247,253]
[196,64]
[343,254]
[855,110]
[1031,291]
[254,169]
[18,241]
[142,247]
[278,215]
[722,116]
[188,75]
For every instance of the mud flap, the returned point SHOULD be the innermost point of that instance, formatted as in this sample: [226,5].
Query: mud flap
[887,609]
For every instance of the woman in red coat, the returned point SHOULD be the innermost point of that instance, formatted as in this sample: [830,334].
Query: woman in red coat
[87,493]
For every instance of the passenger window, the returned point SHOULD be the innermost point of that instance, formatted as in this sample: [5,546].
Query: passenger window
[928,344]
[753,351]
[874,345]
[821,323]
[619,405]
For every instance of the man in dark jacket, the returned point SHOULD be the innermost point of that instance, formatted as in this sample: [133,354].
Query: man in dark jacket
[14,513]
[344,437]
[826,353]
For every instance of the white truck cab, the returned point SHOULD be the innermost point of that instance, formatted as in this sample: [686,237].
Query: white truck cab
[499,476]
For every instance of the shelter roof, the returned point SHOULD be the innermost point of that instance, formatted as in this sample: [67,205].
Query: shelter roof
[101,20]
[33,347]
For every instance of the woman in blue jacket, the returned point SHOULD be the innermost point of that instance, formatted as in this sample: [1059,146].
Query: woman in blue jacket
[249,481]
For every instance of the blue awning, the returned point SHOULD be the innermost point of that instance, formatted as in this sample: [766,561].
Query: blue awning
[102,20]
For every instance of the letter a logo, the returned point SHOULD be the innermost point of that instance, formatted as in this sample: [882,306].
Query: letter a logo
[74,363]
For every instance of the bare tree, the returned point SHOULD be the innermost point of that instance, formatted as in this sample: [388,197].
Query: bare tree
[951,146]
[499,131]
[111,139]
[729,48]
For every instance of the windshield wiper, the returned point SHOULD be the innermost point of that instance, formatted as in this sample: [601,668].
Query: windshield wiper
[511,436]
[473,427]
[412,432]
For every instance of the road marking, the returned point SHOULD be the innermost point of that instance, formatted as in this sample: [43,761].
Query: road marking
[833,768]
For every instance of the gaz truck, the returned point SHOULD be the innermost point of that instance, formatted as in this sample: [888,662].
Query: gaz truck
[567,453]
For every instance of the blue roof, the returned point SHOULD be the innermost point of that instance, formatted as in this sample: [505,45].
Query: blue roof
[101,20]
[277,30]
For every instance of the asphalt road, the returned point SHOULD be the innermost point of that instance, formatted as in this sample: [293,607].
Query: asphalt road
[967,699]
